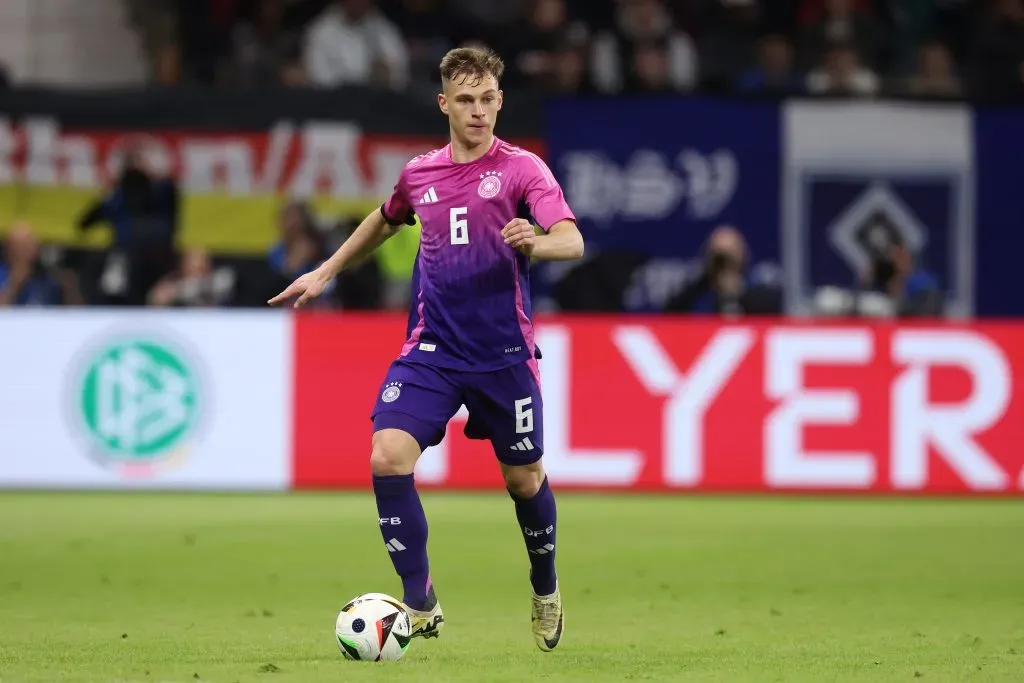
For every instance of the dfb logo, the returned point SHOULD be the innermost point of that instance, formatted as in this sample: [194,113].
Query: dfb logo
[392,521]
[880,179]
[527,531]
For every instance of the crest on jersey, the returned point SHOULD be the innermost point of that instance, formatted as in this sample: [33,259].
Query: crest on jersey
[391,392]
[490,184]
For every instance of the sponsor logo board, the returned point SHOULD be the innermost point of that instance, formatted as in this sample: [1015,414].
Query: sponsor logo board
[687,405]
[93,399]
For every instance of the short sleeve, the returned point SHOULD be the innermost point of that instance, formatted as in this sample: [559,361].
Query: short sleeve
[397,210]
[543,194]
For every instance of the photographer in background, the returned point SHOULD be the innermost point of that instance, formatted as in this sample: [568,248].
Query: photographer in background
[895,274]
[143,210]
[893,284]
[723,285]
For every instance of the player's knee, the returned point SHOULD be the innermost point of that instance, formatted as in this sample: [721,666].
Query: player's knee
[524,481]
[394,452]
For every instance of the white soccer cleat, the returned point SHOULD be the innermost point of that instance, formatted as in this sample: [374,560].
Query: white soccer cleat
[548,620]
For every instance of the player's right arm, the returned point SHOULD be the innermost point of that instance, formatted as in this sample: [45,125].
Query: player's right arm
[382,223]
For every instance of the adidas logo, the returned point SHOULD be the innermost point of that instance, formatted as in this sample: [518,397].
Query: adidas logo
[524,445]
[394,546]
[544,550]
[429,197]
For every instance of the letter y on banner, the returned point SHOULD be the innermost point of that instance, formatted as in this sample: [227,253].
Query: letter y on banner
[689,391]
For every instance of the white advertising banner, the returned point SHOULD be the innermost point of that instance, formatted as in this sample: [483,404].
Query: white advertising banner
[114,399]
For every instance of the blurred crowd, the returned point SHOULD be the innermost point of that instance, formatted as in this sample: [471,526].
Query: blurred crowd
[144,266]
[920,48]
[940,48]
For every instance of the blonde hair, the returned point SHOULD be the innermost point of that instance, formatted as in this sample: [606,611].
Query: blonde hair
[471,64]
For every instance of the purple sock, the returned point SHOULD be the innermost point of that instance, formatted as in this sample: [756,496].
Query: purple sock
[537,516]
[404,528]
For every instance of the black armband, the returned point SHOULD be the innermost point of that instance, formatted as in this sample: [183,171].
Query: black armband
[410,218]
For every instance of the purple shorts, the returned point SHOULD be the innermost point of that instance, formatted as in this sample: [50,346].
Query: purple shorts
[505,406]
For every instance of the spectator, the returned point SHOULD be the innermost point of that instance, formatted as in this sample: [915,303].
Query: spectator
[570,72]
[894,283]
[997,64]
[24,281]
[538,45]
[194,284]
[263,52]
[913,23]
[934,76]
[896,273]
[203,29]
[650,68]
[842,75]
[723,285]
[362,286]
[427,36]
[143,210]
[728,47]
[300,248]
[353,43]
[839,22]
[639,25]
[774,73]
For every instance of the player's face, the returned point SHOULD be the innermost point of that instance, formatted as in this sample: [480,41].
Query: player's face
[472,108]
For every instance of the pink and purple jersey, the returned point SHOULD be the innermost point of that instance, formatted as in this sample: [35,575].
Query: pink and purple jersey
[471,292]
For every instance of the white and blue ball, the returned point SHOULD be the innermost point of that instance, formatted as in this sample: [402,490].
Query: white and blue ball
[373,627]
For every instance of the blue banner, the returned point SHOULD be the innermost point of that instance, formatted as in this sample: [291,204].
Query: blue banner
[999,160]
[657,175]
[811,185]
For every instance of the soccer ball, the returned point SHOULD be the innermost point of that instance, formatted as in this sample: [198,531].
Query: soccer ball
[373,627]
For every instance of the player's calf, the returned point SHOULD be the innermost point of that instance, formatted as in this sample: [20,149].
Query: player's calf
[537,516]
[403,524]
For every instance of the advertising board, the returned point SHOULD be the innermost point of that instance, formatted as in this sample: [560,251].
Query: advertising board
[684,405]
[113,400]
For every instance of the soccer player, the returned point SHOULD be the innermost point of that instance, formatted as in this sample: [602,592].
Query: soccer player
[470,337]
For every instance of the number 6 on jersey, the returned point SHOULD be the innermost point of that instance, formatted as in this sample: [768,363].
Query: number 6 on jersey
[459,225]
[524,415]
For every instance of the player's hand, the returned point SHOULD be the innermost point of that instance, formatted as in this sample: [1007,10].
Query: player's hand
[306,287]
[519,235]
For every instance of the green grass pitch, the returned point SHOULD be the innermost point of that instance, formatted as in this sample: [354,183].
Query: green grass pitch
[223,588]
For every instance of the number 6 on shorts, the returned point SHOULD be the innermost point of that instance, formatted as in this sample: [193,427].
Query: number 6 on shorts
[524,415]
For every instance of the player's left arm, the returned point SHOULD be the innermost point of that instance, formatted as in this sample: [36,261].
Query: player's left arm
[561,239]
